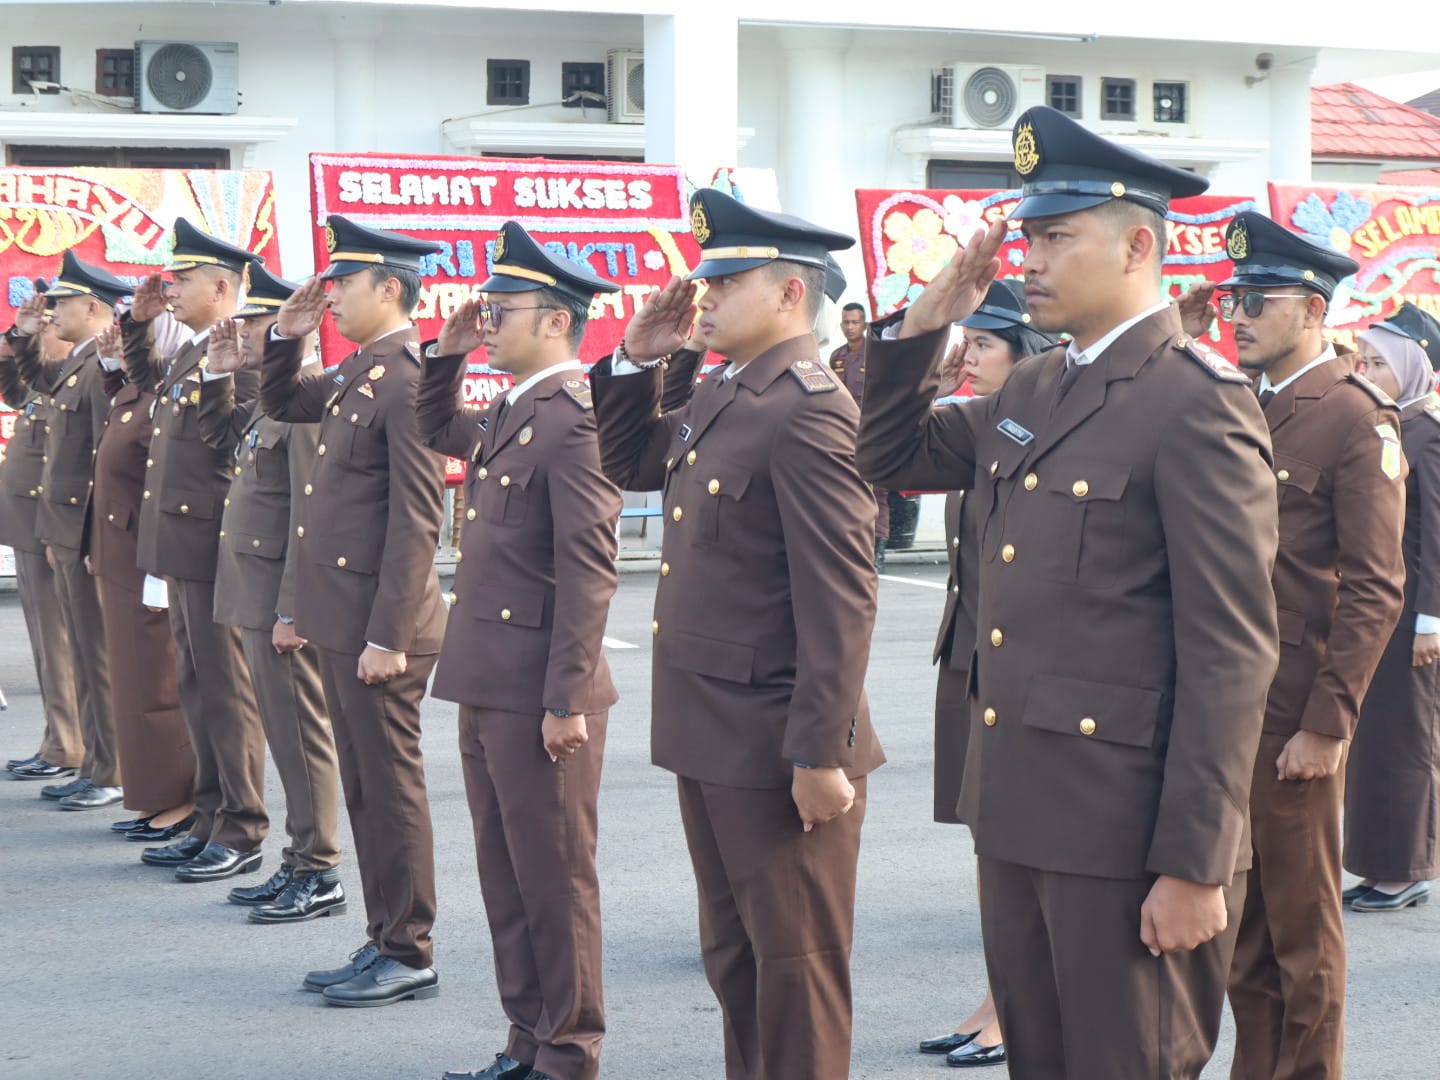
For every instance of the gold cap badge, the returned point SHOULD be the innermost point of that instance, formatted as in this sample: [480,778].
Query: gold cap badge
[500,247]
[1237,244]
[1027,151]
[700,224]
[330,239]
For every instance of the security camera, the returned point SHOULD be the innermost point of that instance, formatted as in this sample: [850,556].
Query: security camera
[1265,61]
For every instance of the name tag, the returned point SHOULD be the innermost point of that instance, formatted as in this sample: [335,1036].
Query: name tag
[1010,429]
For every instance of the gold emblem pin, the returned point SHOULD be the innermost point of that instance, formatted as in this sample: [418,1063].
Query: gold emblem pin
[364,390]
[700,224]
[72,380]
[1027,151]
[526,434]
[376,372]
[125,416]
[194,397]
[1237,244]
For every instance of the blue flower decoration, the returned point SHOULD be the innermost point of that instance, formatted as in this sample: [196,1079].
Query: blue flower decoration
[1016,256]
[1331,226]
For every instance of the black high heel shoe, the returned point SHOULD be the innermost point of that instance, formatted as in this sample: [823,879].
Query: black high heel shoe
[152,834]
[943,1044]
[130,826]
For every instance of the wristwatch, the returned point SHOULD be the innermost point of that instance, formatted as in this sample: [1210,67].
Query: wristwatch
[559,714]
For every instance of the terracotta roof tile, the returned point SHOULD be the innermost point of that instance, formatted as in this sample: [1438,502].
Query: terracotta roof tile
[1349,121]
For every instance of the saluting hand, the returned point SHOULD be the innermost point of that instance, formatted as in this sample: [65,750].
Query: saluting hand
[960,286]
[378,666]
[563,735]
[300,315]
[821,795]
[463,332]
[1180,915]
[952,368]
[222,349]
[30,316]
[110,343]
[663,324]
[1197,314]
[149,302]
[1309,756]
[1427,649]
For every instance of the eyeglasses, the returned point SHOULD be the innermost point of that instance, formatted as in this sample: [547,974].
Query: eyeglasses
[493,314]
[1253,303]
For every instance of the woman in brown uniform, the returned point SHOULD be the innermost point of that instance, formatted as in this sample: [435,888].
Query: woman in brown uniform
[1392,797]
[997,337]
[153,742]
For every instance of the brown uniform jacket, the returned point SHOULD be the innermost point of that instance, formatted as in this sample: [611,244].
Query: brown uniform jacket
[186,486]
[273,461]
[113,519]
[369,527]
[766,598]
[850,366]
[1339,578]
[21,470]
[955,644]
[533,585]
[79,404]
[1127,623]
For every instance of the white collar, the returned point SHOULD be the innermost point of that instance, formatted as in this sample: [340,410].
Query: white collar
[1267,385]
[1090,355]
[390,333]
[81,346]
[516,392]
[201,336]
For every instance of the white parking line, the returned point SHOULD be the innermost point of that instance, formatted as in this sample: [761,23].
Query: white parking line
[616,643]
[914,581]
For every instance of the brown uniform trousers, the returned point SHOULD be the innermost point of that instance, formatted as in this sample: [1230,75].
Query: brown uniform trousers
[366,574]
[153,740]
[768,520]
[1339,584]
[531,595]
[179,539]
[63,741]
[1127,536]
[78,405]
[254,583]
[1392,780]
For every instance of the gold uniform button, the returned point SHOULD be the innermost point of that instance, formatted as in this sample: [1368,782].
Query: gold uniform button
[990,718]
[714,487]
[40,488]
[955,589]
[484,473]
[227,500]
[109,517]
[655,626]
[334,410]
[147,494]
[677,513]
[44,459]
[505,614]
[157,431]
[1087,726]
[222,534]
[459,555]
[150,463]
[1008,553]
[320,449]
[690,458]
[238,470]
[1031,481]
[74,501]
[340,561]
[505,480]
[470,514]
[997,637]
[453,599]
[354,417]
[1283,474]
[669,463]
[1081,489]
[184,509]
[308,489]
[955,543]
[994,467]
[664,569]
[254,543]
[300,532]
[33,493]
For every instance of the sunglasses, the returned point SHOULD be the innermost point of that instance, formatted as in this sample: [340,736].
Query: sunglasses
[494,315]
[1253,303]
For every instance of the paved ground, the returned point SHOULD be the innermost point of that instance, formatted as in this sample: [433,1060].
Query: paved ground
[117,971]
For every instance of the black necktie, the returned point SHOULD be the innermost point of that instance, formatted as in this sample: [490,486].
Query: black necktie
[500,413]
[1067,380]
[1266,396]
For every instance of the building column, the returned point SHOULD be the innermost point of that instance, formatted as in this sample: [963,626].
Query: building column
[813,178]
[356,37]
[1290,153]
[691,91]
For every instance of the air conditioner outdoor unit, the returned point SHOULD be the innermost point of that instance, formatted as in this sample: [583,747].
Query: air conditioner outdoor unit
[988,95]
[187,77]
[625,86]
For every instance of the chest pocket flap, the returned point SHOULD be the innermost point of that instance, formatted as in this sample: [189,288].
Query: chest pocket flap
[1104,712]
[512,502]
[1297,475]
[717,486]
[1083,482]
[195,504]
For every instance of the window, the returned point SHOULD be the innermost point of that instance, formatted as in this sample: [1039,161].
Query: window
[579,81]
[34,63]
[117,157]
[1064,94]
[970,175]
[507,82]
[1172,102]
[115,72]
[1117,99]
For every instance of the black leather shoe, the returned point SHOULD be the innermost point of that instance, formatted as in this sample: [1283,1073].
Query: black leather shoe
[217,861]
[943,1044]
[384,982]
[92,797]
[176,854]
[123,827]
[310,894]
[973,1055]
[1350,895]
[42,770]
[1375,900]
[317,981]
[159,834]
[61,791]
[503,1068]
[16,763]
[266,891]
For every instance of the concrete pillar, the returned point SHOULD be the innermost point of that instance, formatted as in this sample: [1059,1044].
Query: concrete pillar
[691,97]
[1290,120]
[356,36]
[813,179]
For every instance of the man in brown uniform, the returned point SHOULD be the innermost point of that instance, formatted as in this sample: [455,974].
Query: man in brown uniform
[62,746]
[179,541]
[255,593]
[531,595]
[1126,506]
[366,592]
[758,699]
[1339,585]
[84,299]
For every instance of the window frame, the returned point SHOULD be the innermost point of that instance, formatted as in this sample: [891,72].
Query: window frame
[495,68]
[1183,100]
[20,84]
[1079,84]
[1106,112]
[101,56]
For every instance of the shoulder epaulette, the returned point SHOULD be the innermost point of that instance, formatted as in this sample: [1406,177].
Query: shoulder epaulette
[578,390]
[1213,363]
[814,377]
[413,351]
[1370,388]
